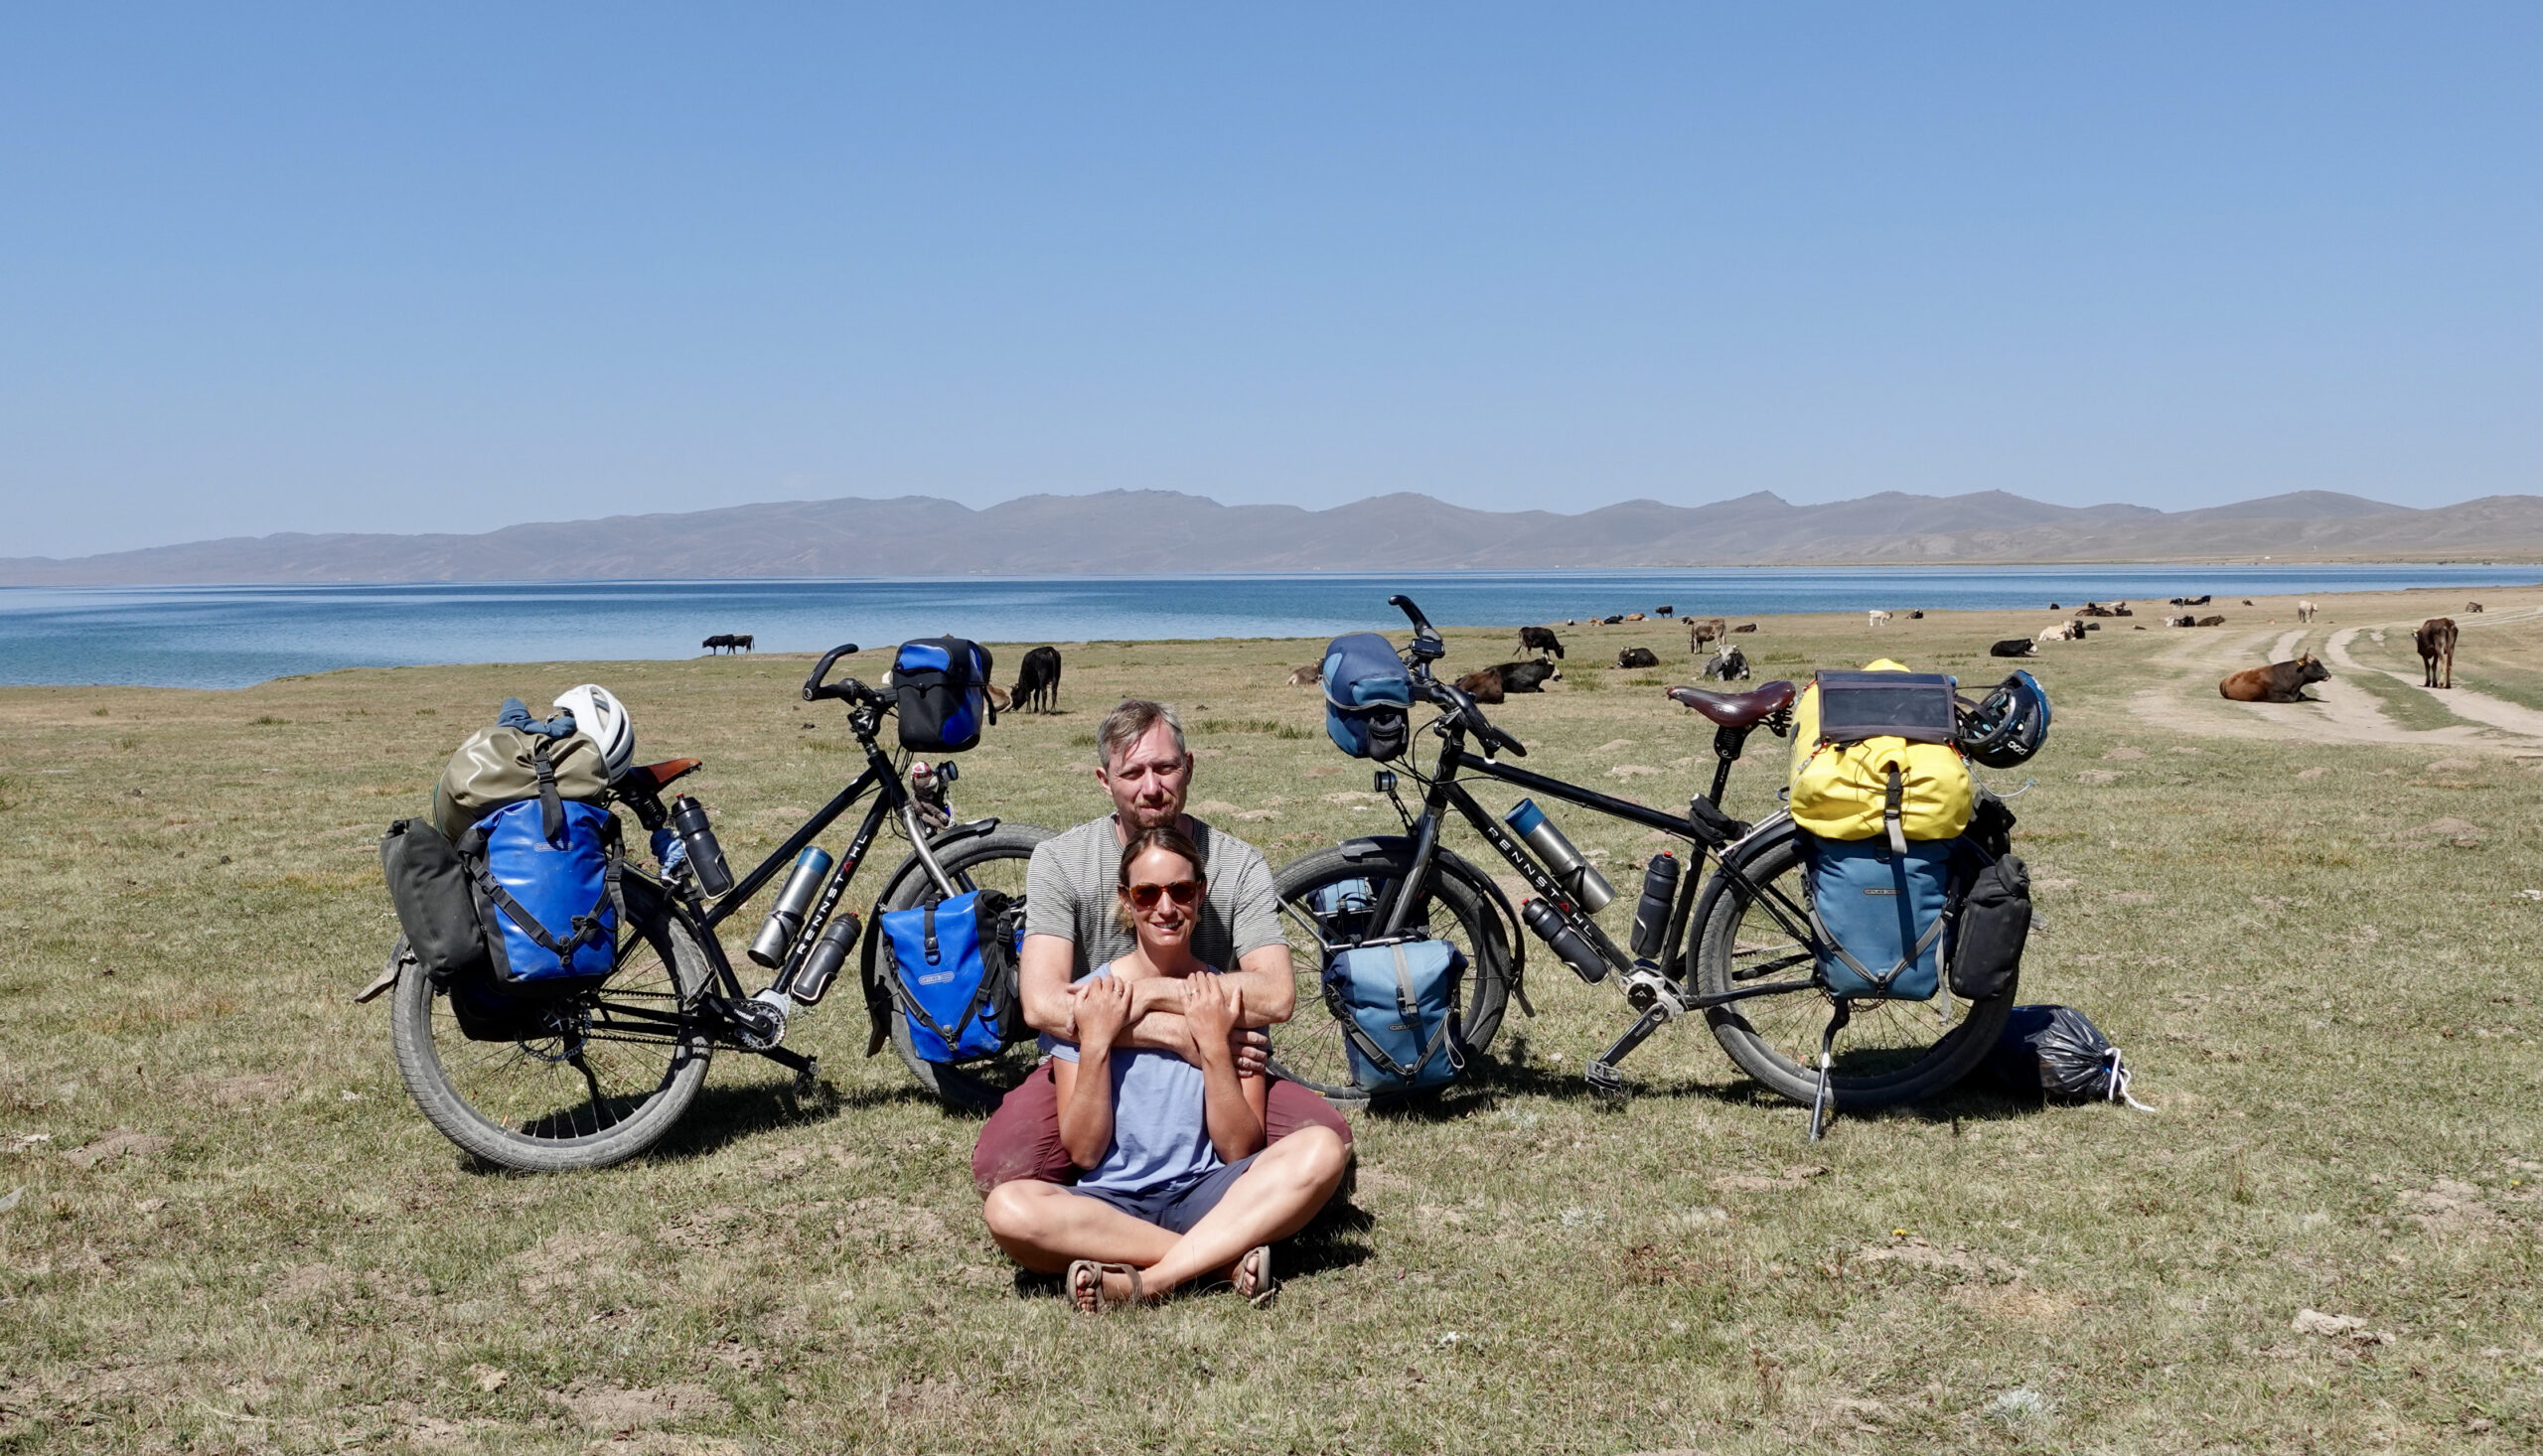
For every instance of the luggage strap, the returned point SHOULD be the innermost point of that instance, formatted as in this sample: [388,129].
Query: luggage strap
[1892,815]
[551,805]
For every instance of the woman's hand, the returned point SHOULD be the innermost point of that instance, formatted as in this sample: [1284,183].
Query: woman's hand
[1212,1004]
[1103,1009]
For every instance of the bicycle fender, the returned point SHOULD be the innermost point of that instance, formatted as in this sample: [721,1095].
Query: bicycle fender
[1397,847]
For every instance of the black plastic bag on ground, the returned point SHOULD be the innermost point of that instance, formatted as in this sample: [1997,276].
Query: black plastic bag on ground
[2053,1052]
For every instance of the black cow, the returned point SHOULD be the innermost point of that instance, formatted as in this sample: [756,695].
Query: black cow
[2012,646]
[1540,640]
[1637,657]
[1611,620]
[1665,610]
[740,643]
[1530,676]
[1038,690]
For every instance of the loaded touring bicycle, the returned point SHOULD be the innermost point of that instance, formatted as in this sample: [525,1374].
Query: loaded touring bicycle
[591,1070]
[1744,945]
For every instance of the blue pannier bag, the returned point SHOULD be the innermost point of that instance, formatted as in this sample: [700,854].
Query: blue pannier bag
[942,684]
[1396,1005]
[953,971]
[1367,696]
[546,875]
[1878,915]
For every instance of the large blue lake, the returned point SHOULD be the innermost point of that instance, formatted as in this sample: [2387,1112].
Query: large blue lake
[230,636]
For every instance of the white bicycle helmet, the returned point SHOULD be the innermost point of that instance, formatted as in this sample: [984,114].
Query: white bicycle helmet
[602,718]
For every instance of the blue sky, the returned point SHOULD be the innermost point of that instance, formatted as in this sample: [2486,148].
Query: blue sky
[373,268]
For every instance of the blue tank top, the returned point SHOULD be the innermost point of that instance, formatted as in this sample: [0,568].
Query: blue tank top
[1160,1131]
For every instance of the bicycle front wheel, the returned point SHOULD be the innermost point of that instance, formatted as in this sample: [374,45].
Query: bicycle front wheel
[997,861]
[1328,900]
[585,1081]
[1889,1052]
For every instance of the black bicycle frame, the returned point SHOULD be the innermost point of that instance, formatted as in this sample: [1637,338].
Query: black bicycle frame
[1445,793]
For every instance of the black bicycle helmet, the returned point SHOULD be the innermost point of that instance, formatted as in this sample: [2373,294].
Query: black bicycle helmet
[2009,725]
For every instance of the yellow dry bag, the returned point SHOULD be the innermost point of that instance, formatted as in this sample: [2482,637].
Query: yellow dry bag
[1873,755]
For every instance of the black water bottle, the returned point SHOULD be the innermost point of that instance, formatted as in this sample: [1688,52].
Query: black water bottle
[821,964]
[1651,913]
[1566,942]
[706,856]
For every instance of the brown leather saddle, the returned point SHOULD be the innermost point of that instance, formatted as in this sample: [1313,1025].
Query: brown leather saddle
[1737,709]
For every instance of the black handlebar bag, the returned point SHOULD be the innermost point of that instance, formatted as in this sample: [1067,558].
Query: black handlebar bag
[943,685]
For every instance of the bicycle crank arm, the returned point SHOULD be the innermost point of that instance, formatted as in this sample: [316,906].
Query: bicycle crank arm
[1602,1075]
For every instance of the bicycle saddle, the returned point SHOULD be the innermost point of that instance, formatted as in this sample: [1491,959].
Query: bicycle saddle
[1737,709]
[662,774]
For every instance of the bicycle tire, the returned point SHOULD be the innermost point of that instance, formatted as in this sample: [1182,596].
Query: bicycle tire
[997,860]
[1890,1052]
[1310,1049]
[512,1104]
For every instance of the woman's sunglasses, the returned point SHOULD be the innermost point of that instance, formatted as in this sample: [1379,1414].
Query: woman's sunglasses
[1145,897]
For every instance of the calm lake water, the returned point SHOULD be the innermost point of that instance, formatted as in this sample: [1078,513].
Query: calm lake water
[230,637]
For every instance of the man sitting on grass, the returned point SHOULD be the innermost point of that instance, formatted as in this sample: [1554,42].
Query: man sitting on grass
[1070,930]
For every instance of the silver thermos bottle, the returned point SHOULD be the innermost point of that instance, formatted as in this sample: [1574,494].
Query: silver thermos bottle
[1580,879]
[803,884]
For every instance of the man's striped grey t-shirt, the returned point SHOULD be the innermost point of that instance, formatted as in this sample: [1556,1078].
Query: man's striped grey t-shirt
[1069,893]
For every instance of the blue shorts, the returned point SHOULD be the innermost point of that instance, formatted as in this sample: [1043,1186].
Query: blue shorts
[1177,1211]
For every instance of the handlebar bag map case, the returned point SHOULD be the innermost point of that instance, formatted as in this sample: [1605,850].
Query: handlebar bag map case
[1861,737]
[1397,1004]
[1368,696]
[952,967]
[943,685]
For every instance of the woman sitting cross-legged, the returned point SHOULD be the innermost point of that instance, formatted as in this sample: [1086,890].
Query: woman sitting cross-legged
[1176,1184]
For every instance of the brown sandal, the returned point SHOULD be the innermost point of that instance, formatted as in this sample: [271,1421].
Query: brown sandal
[1256,1261]
[1079,1286]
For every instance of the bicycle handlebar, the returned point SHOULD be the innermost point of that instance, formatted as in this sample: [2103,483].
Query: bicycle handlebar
[846,690]
[1461,707]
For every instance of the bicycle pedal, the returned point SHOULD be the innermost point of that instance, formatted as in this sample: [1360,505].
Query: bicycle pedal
[1604,1078]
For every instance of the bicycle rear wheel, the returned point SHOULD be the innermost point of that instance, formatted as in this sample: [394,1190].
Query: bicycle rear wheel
[997,861]
[593,1078]
[1328,897]
[1889,1052]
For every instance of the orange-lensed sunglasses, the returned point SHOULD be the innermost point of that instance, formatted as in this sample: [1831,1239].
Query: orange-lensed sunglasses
[1145,897]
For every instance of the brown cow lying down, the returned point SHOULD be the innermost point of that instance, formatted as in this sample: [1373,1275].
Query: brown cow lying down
[2279,682]
[2210,622]
[1488,684]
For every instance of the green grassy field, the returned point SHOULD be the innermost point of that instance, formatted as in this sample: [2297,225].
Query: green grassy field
[228,1228]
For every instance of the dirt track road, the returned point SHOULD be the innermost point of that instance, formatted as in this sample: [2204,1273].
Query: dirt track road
[2186,698]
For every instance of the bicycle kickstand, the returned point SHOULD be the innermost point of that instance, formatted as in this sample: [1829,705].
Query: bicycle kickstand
[1819,1107]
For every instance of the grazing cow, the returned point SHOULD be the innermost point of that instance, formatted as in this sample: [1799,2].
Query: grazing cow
[1633,615]
[2436,642]
[1745,627]
[728,640]
[1701,630]
[2212,621]
[1038,689]
[2012,646]
[1728,664]
[2279,682]
[2304,611]
[2247,601]
[1305,676]
[1878,618]
[1637,657]
[1540,640]
[2471,609]
[1664,611]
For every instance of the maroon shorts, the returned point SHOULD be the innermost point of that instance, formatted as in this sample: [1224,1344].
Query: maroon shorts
[1022,1138]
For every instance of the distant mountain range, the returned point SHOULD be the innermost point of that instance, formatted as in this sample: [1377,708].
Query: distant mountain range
[1130,532]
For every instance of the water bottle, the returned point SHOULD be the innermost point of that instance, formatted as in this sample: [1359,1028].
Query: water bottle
[1566,942]
[821,964]
[1581,879]
[777,933]
[706,856]
[1651,913]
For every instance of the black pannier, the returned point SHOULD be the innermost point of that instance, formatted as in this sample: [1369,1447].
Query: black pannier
[436,906]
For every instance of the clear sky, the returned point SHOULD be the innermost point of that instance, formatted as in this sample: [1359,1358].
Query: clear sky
[367,267]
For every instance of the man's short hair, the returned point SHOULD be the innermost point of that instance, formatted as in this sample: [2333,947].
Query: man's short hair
[1130,723]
